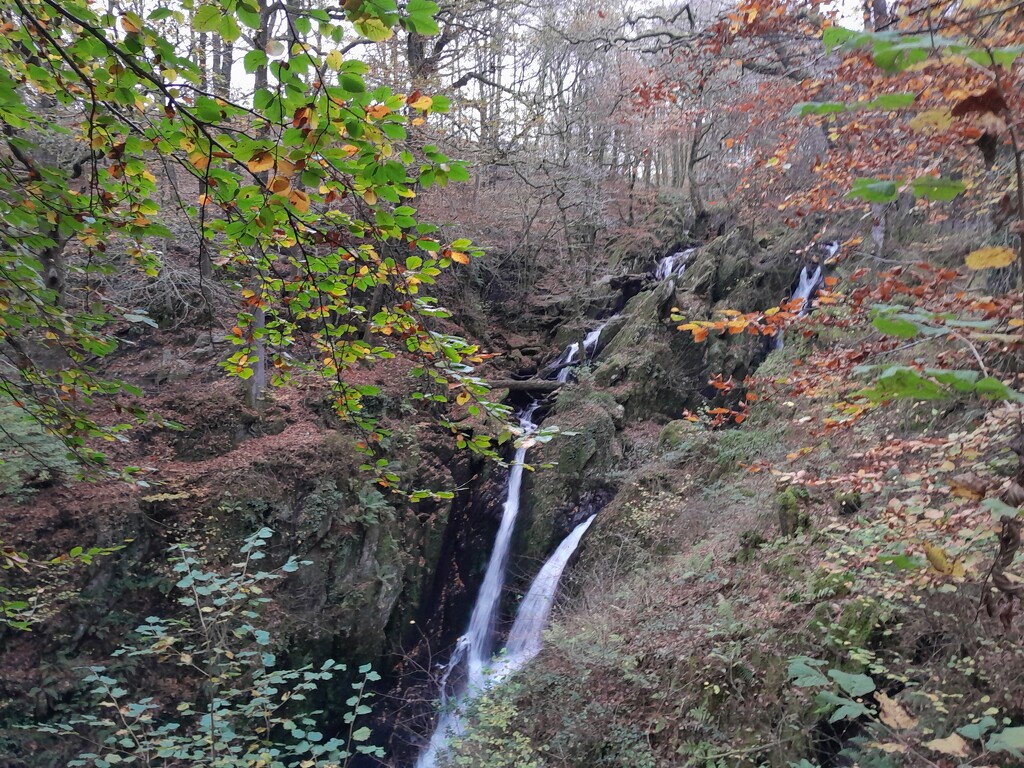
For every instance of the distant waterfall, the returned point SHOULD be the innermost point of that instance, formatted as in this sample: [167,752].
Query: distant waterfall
[570,356]
[806,286]
[673,264]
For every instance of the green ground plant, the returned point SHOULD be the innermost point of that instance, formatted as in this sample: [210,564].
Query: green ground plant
[236,706]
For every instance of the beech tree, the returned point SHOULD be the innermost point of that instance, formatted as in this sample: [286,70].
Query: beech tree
[302,196]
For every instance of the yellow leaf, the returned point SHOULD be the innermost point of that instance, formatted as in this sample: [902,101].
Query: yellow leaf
[892,713]
[378,111]
[261,161]
[299,200]
[370,197]
[891,746]
[463,398]
[1016,322]
[279,185]
[953,745]
[418,121]
[932,121]
[993,257]
[423,102]
[334,60]
[940,560]
[459,257]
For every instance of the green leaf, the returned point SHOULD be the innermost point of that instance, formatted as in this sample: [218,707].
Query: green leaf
[352,83]
[846,709]
[361,734]
[895,326]
[854,685]
[229,29]
[1007,740]
[1000,509]
[805,108]
[207,19]
[937,188]
[976,730]
[891,101]
[804,673]
[874,190]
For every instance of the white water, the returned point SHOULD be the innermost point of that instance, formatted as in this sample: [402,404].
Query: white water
[524,642]
[481,623]
[808,282]
[674,264]
[569,357]
[524,639]
[475,645]
[805,287]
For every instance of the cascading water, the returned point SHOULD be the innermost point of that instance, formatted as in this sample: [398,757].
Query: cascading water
[524,639]
[475,645]
[673,264]
[481,622]
[807,284]
[524,642]
[571,354]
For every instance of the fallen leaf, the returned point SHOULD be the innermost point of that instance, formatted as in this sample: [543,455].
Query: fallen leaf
[893,714]
[993,257]
[953,745]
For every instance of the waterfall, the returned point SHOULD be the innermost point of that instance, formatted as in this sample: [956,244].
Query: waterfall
[524,640]
[566,361]
[475,645]
[481,623]
[807,284]
[571,354]
[673,264]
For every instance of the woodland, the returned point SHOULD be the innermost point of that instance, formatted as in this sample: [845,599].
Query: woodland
[511,384]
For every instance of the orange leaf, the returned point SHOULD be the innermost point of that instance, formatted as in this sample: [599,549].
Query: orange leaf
[459,257]
[261,161]
[279,185]
[299,200]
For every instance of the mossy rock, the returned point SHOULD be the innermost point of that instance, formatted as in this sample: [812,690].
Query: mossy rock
[582,456]
[677,434]
[790,506]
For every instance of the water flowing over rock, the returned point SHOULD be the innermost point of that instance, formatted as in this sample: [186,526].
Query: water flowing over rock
[673,265]
[571,355]
[524,639]
[481,623]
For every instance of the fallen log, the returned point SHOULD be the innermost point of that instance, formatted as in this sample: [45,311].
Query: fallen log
[521,385]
